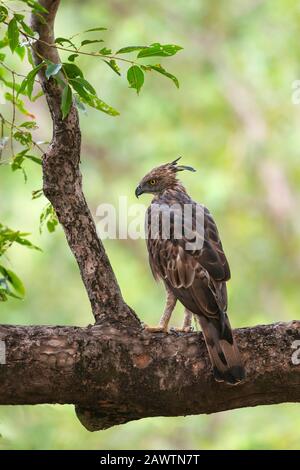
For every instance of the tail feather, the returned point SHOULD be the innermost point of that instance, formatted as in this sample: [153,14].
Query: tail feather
[222,348]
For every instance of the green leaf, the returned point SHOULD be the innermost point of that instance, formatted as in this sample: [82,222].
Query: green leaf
[95,29]
[62,41]
[22,241]
[90,41]
[16,282]
[18,160]
[13,279]
[9,236]
[105,51]
[34,159]
[36,6]
[3,294]
[23,137]
[135,77]
[3,14]
[52,69]
[125,50]
[113,65]
[97,103]
[82,84]
[3,42]
[72,57]
[79,88]
[27,28]
[29,57]
[14,296]
[79,104]
[160,69]
[37,96]
[19,17]
[13,34]
[20,50]
[37,193]
[72,70]
[6,292]
[17,165]
[51,225]
[28,82]
[49,217]
[31,78]
[156,49]
[66,101]
[29,125]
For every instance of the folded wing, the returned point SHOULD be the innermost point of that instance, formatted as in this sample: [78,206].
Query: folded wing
[195,272]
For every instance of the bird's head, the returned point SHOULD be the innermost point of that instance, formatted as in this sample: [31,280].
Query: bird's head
[161,178]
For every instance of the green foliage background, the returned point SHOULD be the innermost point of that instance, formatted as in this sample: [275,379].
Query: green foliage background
[233,119]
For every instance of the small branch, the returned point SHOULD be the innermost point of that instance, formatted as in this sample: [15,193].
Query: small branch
[13,114]
[114,376]
[13,71]
[14,126]
[77,51]
[63,187]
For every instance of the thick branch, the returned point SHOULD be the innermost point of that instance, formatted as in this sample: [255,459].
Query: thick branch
[63,188]
[127,374]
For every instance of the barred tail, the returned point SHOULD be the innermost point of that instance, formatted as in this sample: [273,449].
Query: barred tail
[222,348]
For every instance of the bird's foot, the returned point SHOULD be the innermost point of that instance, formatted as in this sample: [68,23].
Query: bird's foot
[156,329]
[183,329]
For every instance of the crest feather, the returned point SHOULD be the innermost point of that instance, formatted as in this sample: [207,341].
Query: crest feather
[180,167]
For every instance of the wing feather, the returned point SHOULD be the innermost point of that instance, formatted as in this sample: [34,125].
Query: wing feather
[197,277]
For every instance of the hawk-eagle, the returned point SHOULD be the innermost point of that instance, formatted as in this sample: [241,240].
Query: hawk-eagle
[192,264]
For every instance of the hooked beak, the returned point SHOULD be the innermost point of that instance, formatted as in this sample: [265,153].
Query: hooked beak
[138,191]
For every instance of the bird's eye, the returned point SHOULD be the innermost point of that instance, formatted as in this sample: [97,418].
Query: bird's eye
[152,182]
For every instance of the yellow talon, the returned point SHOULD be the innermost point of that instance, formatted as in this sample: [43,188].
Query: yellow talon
[186,329]
[156,329]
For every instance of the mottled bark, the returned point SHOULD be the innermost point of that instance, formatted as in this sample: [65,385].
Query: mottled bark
[63,187]
[117,375]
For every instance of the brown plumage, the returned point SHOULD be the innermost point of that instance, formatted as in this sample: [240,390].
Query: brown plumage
[196,276]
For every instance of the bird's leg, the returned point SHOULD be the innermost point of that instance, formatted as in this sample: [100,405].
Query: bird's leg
[164,321]
[187,322]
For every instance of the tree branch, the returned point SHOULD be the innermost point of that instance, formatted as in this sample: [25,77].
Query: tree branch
[63,187]
[114,376]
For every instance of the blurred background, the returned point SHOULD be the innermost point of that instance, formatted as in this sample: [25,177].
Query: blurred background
[233,119]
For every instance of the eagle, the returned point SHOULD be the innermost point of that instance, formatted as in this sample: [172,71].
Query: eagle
[186,253]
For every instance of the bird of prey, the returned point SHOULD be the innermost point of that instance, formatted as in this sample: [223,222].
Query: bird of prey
[192,266]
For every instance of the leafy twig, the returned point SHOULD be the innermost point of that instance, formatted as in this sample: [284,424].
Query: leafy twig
[77,51]
[21,130]
[13,71]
